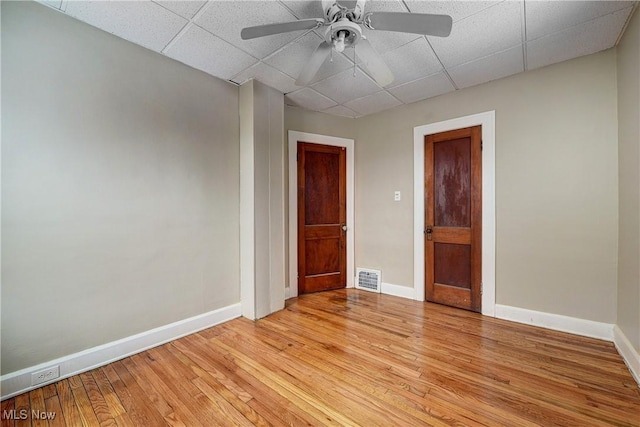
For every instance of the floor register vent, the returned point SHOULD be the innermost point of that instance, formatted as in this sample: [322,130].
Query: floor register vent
[368,280]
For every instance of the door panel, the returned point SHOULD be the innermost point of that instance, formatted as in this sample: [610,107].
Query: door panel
[452,175]
[453,218]
[321,217]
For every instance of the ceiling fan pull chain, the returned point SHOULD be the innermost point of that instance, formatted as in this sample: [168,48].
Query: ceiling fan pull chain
[354,61]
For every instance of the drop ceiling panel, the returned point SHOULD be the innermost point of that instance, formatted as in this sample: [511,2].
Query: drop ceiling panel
[491,30]
[341,110]
[412,61]
[486,43]
[142,22]
[456,9]
[204,51]
[548,17]
[385,41]
[583,39]
[305,9]
[373,103]
[186,9]
[344,86]
[424,88]
[226,19]
[310,99]
[269,76]
[492,67]
[52,3]
[294,56]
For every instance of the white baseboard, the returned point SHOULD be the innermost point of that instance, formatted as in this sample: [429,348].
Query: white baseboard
[628,352]
[19,382]
[558,322]
[397,290]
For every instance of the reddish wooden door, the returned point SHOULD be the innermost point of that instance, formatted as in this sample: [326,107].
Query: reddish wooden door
[453,218]
[322,202]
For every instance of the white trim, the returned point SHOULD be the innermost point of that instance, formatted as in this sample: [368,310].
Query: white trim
[628,352]
[557,322]
[19,382]
[294,137]
[487,121]
[397,290]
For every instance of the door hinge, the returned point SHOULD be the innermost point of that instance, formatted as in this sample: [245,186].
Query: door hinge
[481,288]
[297,156]
[481,145]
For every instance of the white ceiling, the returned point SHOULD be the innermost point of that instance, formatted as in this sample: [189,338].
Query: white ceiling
[489,40]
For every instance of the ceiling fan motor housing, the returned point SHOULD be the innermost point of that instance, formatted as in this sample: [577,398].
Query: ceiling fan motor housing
[352,32]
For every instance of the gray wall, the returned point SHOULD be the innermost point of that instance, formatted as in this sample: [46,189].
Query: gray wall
[629,177]
[120,188]
[556,184]
[262,196]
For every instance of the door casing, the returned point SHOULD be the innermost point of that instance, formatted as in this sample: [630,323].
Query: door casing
[294,138]
[487,121]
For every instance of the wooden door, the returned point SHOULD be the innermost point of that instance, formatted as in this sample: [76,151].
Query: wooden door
[322,202]
[453,218]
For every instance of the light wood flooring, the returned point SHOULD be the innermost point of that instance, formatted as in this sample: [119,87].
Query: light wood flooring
[351,357]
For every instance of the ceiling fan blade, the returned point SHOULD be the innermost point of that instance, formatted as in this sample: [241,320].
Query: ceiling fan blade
[314,64]
[270,29]
[374,63]
[415,23]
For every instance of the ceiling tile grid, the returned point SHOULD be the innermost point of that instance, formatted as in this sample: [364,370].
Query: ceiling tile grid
[491,67]
[341,110]
[143,22]
[345,86]
[303,47]
[489,40]
[186,9]
[269,76]
[226,18]
[309,99]
[370,104]
[548,17]
[204,51]
[582,39]
[427,87]
[412,61]
[456,9]
[492,30]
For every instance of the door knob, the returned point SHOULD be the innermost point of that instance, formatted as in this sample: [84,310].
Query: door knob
[429,232]
[344,227]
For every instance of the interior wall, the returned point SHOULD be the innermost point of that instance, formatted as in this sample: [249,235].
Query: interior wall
[269,196]
[120,188]
[556,184]
[629,177]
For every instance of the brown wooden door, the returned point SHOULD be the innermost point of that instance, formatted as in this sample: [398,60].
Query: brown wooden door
[322,202]
[453,218]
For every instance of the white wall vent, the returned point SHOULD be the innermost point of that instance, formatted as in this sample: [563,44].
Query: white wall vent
[368,280]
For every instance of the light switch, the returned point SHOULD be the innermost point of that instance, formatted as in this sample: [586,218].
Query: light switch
[396,196]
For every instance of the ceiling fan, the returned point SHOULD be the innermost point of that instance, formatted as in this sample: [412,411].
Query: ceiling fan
[344,30]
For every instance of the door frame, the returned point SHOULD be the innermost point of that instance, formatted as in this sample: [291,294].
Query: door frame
[294,138]
[487,121]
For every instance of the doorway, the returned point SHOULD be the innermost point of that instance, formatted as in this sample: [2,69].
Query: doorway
[309,138]
[453,217]
[488,245]
[322,212]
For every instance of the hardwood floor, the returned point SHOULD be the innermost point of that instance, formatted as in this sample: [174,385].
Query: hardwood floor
[351,357]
